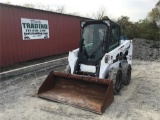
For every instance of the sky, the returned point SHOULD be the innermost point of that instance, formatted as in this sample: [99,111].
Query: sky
[134,9]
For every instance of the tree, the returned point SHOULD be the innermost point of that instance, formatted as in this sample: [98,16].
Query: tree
[127,27]
[61,9]
[124,22]
[147,30]
[74,13]
[154,15]
[8,2]
[41,6]
[100,13]
[38,6]
[154,19]
[29,5]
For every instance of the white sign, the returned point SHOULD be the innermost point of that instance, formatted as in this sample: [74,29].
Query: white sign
[34,29]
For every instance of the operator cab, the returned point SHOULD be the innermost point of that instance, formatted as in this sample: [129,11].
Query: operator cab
[98,37]
[93,41]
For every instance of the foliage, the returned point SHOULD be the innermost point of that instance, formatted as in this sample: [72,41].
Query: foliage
[154,15]
[142,29]
[148,28]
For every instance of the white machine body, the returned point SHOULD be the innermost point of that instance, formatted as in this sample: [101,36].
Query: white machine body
[108,61]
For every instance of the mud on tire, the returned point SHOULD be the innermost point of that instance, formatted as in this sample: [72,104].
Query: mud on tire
[116,76]
[126,73]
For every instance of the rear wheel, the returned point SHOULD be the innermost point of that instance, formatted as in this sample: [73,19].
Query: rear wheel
[126,72]
[127,75]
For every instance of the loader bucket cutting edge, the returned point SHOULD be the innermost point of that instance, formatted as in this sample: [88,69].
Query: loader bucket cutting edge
[90,93]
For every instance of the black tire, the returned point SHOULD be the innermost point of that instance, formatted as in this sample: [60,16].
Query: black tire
[116,77]
[118,81]
[127,75]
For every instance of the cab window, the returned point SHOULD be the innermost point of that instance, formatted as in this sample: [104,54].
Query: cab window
[114,41]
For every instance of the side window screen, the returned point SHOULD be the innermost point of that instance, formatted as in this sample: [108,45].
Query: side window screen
[114,38]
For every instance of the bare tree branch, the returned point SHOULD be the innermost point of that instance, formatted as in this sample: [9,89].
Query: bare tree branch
[29,5]
[8,2]
[61,9]
[100,13]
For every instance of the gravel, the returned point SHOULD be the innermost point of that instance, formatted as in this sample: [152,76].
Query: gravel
[146,50]
[139,100]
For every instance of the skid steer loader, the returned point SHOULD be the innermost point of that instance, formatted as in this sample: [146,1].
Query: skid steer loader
[96,70]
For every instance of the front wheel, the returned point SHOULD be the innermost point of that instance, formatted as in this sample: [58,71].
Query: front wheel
[118,81]
[116,77]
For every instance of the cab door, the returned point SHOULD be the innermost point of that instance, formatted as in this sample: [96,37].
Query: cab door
[114,37]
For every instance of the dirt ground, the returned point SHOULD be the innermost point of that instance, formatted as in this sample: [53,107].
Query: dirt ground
[139,100]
